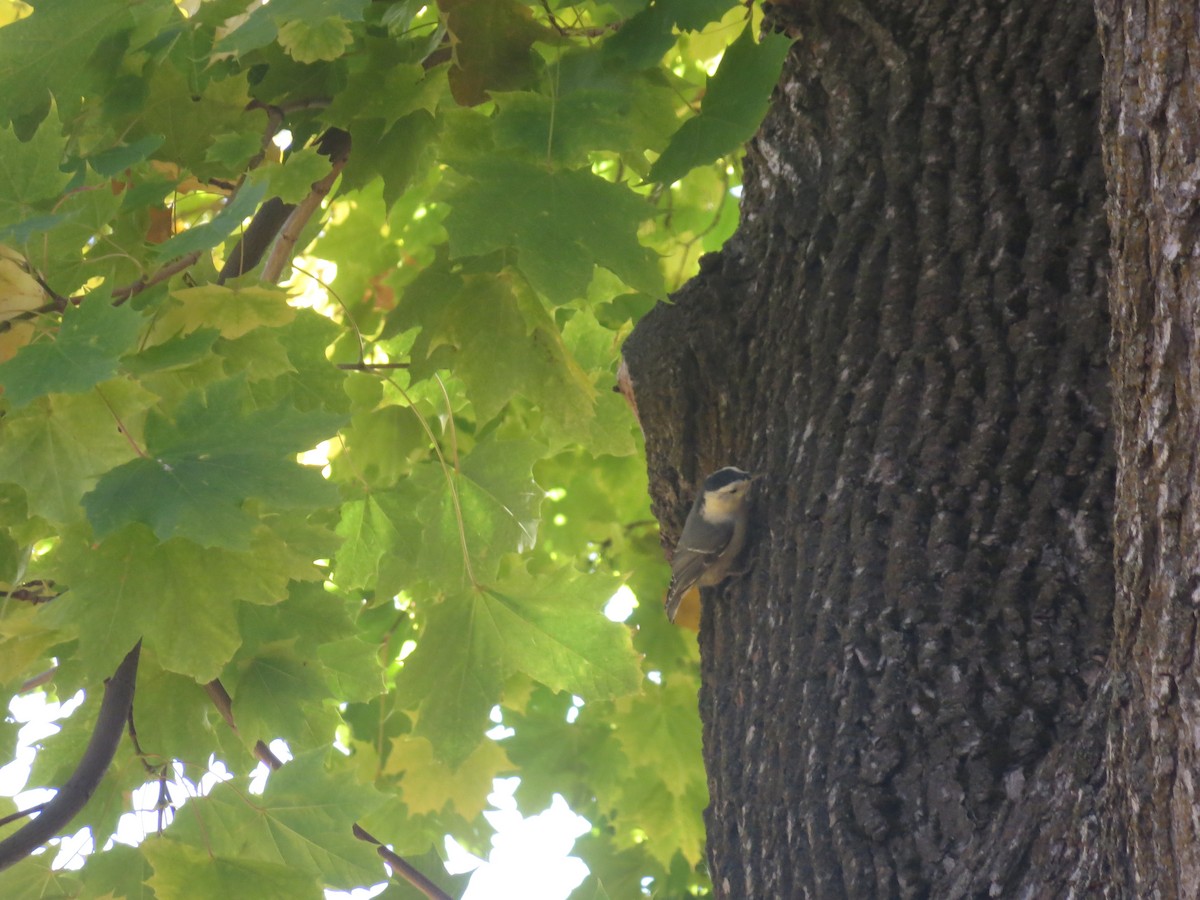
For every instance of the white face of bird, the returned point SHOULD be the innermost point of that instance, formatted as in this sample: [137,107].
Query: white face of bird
[725,493]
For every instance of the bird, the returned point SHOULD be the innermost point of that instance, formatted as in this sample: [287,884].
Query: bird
[713,535]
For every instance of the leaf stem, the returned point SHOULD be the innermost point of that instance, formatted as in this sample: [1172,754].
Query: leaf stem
[121,426]
[458,513]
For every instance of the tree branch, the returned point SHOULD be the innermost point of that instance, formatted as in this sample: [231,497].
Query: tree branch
[74,795]
[174,267]
[222,701]
[401,865]
[256,238]
[335,144]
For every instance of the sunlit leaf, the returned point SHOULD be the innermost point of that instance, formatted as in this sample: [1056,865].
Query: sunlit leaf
[193,590]
[204,462]
[181,871]
[308,42]
[57,448]
[302,821]
[733,106]
[474,640]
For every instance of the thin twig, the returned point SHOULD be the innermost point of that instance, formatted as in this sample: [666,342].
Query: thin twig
[22,813]
[414,877]
[38,680]
[371,367]
[121,294]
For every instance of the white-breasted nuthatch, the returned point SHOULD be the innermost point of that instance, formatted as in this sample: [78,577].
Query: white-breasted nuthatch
[713,534]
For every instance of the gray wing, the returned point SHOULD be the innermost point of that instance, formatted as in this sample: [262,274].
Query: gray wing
[700,543]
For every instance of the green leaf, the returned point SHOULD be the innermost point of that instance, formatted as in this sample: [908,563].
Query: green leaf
[493,46]
[210,234]
[309,42]
[69,48]
[381,446]
[56,448]
[233,149]
[190,120]
[507,346]
[499,502]
[430,865]
[429,783]
[664,719]
[548,627]
[182,872]
[496,496]
[618,112]
[352,669]
[590,889]
[386,96]
[395,154]
[733,107]
[118,872]
[314,383]
[642,40]
[263,24]
[561,224]
[192,591]
[203,463]
[307,619]
[280,694]
[692,15]
[117,159]
[234,311]
[369,531]
[33,878]
[293,181]
[29,170]
[176,353]
[93,335]
[582,762]
[303,821]
[183,726]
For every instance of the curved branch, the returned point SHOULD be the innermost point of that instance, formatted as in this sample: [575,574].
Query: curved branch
[74,795]
[335,144]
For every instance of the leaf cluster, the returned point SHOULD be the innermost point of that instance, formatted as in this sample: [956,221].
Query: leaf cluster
[386,503]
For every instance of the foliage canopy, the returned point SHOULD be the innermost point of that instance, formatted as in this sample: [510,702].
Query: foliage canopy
[389,500]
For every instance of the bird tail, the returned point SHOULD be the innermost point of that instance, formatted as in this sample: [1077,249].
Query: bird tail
[683,606]
[674,595]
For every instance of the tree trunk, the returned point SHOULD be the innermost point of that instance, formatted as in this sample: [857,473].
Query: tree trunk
[1151,134]
[920,688]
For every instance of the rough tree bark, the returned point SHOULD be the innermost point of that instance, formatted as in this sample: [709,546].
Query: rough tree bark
[934,681]
[1152,155]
